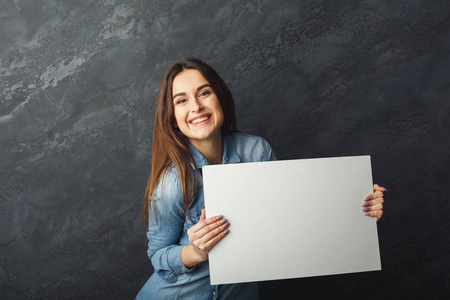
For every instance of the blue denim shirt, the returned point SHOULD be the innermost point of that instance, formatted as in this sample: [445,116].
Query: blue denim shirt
[167,233]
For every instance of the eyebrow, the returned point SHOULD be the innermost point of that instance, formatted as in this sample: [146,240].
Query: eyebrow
[198,89]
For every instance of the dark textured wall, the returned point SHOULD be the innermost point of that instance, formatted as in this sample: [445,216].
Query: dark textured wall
[78,81]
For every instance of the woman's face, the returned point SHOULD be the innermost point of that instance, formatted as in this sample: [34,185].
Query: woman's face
[197,110]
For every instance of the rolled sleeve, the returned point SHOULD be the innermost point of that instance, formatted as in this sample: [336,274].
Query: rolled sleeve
[167,263]
[166,227]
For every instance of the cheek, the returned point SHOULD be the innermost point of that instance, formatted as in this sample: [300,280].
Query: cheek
[177,118]
[220,113]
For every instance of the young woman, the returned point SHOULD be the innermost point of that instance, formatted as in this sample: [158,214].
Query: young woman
[195,125]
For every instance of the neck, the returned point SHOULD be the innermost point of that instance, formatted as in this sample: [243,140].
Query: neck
[211,149]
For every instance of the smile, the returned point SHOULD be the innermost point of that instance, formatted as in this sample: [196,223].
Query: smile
[200,119]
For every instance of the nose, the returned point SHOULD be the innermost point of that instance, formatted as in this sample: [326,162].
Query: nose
[196,105]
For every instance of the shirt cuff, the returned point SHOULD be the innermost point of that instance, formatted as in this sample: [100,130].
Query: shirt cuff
[174,261]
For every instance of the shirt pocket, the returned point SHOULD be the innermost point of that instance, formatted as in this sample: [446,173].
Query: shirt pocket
[191,219]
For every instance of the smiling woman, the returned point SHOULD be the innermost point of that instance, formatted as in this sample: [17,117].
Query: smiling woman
[195,125]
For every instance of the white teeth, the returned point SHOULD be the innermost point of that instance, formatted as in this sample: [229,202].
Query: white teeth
[200,120]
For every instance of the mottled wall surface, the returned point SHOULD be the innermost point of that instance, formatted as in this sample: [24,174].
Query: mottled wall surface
[78,81]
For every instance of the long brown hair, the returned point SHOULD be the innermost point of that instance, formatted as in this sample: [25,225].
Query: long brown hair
[169,145]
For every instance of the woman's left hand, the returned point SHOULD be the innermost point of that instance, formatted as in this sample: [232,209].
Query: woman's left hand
[373,203]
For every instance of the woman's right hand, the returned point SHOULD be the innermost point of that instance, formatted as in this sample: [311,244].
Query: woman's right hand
[203,236]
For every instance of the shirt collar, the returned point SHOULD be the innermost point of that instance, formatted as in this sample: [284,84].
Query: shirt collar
[229,155]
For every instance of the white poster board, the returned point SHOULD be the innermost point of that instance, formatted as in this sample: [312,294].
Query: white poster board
[292,218]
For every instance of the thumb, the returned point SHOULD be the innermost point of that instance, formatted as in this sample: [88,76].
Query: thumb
[376,187]
[203,216]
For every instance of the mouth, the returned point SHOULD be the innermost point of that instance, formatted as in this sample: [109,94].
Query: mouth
[200,119]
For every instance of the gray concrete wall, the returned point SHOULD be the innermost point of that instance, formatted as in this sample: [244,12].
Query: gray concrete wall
[78,81]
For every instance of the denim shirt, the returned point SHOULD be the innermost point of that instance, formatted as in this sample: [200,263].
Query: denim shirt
[167,232]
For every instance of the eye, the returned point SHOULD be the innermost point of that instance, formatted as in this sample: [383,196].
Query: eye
[204,93]
[181,101]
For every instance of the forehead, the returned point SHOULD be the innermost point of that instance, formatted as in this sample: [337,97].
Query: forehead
[188,80]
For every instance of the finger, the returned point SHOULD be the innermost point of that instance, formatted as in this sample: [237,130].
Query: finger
[202,238]
[376,187]
[216,239]
[373,208]
[375,214]
[210,228]
[205,222]
[214,233]
[376,194]
[372,202]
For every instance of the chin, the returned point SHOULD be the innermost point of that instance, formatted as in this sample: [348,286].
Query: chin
[204,136]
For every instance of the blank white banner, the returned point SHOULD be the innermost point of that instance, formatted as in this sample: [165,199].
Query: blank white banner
[291,218]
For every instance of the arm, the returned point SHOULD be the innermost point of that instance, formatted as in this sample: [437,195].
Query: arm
[165,229]
[169,258]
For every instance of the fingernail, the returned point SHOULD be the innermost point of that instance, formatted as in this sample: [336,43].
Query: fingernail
[223,221]
[226,231]
[365,203]
[367,214]
[203,207]
[385,189]
[226,225]
[219,217]
[367,198]
[366,209]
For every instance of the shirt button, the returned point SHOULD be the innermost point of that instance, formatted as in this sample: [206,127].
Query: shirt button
[214,293]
